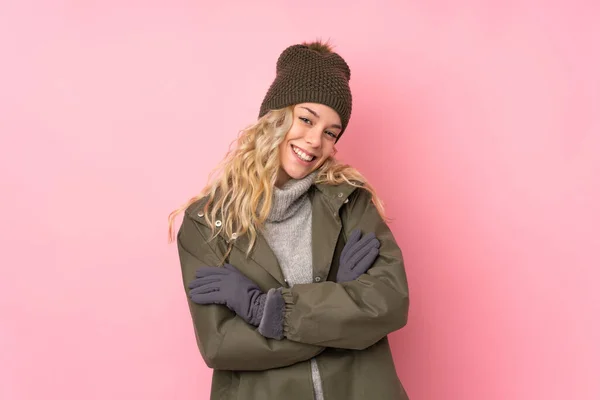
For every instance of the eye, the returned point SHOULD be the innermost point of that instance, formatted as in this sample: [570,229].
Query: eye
[309,122]
[333,135]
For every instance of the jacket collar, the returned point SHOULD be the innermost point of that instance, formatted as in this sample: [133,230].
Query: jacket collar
[335,195]
[326,202]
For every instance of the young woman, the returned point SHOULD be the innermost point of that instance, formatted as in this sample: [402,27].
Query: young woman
[294,280]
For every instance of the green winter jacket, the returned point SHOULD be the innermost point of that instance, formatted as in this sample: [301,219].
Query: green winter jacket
[343,325]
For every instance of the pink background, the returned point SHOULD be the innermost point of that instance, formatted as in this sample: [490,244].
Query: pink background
[477,121]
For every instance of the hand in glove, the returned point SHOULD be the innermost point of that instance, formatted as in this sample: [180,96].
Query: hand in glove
[357,256]
[228,286]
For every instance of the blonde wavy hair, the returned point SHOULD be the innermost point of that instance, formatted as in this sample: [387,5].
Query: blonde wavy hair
[243,188]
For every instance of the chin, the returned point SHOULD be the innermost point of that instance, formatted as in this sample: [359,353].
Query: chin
[298,175]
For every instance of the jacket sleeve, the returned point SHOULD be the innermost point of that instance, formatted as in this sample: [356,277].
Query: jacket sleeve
[355,314]
[225,340]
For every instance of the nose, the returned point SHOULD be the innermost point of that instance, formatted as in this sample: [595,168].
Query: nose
[313,137]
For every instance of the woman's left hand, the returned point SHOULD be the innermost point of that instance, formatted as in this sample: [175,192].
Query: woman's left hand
[228,286]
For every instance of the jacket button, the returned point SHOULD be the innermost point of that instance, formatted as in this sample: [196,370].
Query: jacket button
[201,214]
[234,236]
[217,223]
[318,279]
[340,194]
[345,201]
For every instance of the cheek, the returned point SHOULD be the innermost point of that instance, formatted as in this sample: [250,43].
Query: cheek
[327,149]
[292,134]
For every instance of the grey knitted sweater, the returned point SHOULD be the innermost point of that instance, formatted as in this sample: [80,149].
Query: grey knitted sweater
[288,231]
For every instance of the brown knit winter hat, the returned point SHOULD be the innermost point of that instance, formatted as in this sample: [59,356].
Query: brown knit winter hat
[311,73]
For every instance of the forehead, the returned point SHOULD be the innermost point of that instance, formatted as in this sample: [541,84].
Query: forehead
[322,110]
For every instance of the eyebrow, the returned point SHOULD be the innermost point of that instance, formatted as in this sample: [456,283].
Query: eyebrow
[317,115]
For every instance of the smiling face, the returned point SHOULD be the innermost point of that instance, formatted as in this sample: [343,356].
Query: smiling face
[309,142]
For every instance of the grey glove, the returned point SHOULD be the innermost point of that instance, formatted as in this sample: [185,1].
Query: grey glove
[228,286]
[357,256]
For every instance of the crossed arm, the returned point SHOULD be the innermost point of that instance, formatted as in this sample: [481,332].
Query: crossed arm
[349,315]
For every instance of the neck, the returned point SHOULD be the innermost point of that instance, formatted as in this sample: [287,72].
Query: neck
[282,178]
[288,197]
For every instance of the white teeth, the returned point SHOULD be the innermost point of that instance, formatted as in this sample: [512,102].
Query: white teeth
[302,154]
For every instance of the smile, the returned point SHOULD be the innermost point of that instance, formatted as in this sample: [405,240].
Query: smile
[302,155]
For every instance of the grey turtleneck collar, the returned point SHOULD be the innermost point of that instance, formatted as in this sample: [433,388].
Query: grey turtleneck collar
[288,198]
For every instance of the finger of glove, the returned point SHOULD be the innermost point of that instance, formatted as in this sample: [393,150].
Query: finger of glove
[205,289]
[208,279]
[208,271]
[202,281]
[366,263]
[352,240]
[361,253]
[365,242]
[208,298]
[206,284]
[214,284]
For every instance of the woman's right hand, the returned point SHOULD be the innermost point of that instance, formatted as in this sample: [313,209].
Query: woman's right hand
[357,256]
